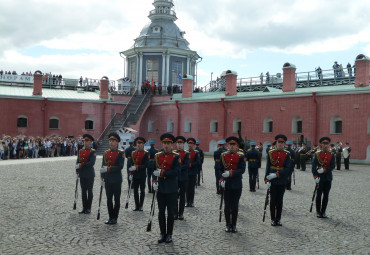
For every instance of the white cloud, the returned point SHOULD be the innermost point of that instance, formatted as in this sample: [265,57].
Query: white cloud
[227,28]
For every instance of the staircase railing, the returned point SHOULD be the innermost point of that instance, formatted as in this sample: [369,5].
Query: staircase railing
[138,108]
[116,117]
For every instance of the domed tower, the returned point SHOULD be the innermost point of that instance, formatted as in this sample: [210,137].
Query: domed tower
[160,52]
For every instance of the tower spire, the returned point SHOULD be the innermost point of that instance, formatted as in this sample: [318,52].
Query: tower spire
[163,10]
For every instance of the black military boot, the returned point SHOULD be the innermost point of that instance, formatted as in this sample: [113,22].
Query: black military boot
[228,225]
[141,203]
[169,238]
[82,212]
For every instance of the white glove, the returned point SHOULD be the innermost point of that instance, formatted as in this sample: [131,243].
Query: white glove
[155,186]
[268,184]
[226,174]
[104,169]
[271,176]
[157,172]
[317,180]
[320,171]
[102,182]
[222,184]
[133,168]
[77,166]
[130,177]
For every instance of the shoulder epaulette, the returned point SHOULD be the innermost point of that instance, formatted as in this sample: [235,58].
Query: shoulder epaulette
[120,150]
[159,152]
[240,153]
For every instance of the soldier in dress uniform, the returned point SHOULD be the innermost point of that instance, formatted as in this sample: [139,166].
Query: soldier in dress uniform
[292,158]
[128,152]
[232,170]
[268,148]
[192,172]
[338,155]
[303,156]
[168,167]
[151,165]
[201,157]
[217,158]
[139,163]
[323,164]
[183,177]
[253,159]
[276,177]
[85,169]
[111,174]
[346,159]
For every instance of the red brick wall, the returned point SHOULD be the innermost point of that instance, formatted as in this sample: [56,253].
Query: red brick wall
[72,116]
[353,109]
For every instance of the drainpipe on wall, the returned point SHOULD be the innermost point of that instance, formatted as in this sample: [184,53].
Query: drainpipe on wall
[44,108]
[315,119]
[223,105]
[178,117]
[103,115]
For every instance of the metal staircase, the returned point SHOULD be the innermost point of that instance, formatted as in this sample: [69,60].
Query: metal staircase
[129,116]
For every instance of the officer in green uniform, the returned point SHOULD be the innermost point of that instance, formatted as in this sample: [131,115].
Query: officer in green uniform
[86,158]
[166,182]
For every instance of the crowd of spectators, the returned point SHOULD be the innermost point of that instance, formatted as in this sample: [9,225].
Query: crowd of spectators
[22,147]
[52,79]
[15,73]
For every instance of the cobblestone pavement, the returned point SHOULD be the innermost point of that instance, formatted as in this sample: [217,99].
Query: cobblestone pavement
[36,217]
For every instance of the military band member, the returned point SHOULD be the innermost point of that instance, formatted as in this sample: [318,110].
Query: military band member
[166,183]
[85,169]
[201,157]
[183,177]
[303,156]
[139,163]
[323,164]
[232,170]
[111,173]
[292,158]
[151,165]
[276,177]
[260,152]
[338,155]
[128,152]
[348,155]
[217,158]
[298,156]
[253,158]
[192,172]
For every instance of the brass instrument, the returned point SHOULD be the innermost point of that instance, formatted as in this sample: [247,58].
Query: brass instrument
[313,150]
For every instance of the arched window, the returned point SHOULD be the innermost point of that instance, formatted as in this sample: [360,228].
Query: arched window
[297,125]
[187,128]
[368,126]
[150,126]
[237,125]
[268,125]
[89,124]
[170,126]
[336,125]
[22,121]
[213,126]
[54,122]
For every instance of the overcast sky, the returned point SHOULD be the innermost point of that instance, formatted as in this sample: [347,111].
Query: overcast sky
[84,37]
